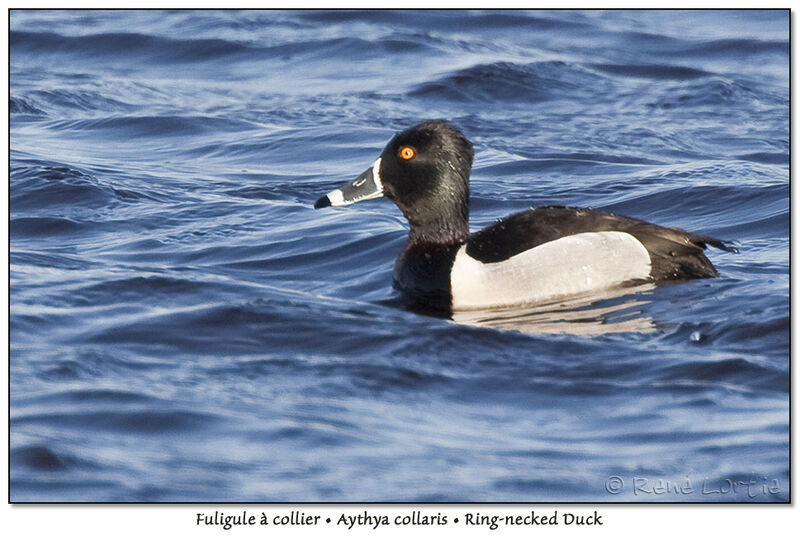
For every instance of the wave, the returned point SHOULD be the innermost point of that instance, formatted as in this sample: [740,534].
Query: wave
[514,82]
[134,422]
[39,187]
[45,186]
[125,45]
[34,227]
[59,261]
[18,105]
[707,93]
[660,72]
[693,49]
[126,127]
[165,51]
[721,206]
[732,371]
[40,458]
[766,158]
[434,18]
[735,47]
[80,99]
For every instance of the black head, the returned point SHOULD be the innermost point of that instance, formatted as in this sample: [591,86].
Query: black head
[425,171]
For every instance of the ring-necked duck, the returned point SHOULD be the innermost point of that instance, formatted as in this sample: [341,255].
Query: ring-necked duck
[538,255]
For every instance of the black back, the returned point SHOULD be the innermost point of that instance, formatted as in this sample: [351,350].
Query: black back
[674,253]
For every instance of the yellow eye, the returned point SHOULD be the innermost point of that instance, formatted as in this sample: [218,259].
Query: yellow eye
[407,153]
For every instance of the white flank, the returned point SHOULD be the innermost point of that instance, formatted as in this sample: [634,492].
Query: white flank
[577,264]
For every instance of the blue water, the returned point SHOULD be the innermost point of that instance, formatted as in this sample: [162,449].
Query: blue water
[185,327]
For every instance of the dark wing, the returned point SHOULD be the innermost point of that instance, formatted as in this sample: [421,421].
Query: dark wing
[674,253]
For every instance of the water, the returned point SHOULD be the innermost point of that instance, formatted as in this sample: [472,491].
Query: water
[185,327]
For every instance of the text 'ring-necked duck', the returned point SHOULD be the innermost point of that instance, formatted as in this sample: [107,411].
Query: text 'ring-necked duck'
[536,256]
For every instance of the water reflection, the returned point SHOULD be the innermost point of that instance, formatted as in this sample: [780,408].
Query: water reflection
[614,311]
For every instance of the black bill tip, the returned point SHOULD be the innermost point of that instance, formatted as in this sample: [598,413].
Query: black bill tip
[322,202]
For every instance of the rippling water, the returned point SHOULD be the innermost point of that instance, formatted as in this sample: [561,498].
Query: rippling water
[184,327]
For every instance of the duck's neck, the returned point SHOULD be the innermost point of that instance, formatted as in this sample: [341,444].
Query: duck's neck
[445,228]
[439,213]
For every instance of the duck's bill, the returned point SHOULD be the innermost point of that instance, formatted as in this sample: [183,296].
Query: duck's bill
[367,186]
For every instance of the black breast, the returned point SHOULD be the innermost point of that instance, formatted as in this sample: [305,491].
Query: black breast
[422,273]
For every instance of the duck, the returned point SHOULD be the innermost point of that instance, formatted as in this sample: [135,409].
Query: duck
[540,255]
